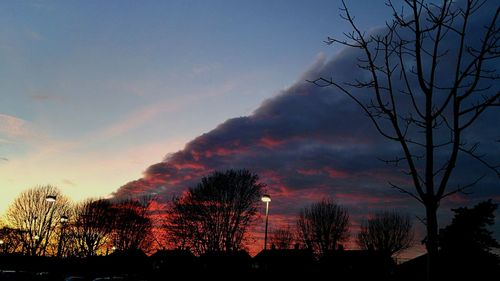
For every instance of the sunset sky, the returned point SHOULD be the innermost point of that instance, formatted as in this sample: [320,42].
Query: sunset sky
[145,97]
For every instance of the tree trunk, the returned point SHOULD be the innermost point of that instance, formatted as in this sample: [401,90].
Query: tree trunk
[432,240]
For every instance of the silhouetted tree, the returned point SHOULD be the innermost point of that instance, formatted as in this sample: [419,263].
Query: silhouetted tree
[467,243]
[469,229]
[282,238]
[431,75]
[36,218]
[387,232]
[132,225]
[92,228]
[323,225]
[215,215]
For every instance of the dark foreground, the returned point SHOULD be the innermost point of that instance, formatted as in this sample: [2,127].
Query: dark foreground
[165,265]
[182,265]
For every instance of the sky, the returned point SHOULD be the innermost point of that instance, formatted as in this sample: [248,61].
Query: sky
[93,92]
[128,98]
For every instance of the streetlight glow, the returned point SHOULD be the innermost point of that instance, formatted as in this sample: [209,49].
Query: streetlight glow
[266,198]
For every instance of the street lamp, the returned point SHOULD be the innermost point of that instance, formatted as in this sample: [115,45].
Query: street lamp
[266,199]
[50,199]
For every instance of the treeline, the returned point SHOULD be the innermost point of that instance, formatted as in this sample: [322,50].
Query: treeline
[214,216]
[43,222]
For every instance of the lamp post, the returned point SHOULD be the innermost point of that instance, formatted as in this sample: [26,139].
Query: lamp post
[51,199]
[266,199]
[64,220]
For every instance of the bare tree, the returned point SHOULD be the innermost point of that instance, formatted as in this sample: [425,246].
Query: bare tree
[387,232]
[92,227]
[36,213]
[282,238]
[430,76]
[132,225]
[323,226]
[215,215]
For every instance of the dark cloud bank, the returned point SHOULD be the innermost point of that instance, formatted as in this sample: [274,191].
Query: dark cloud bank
[309,142]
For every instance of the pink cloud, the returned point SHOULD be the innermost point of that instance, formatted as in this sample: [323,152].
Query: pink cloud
[189,165]
[16,128]
[270,143]
[336,174]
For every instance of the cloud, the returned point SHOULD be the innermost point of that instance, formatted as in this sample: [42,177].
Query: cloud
[309,142]
[68,182]
[13,128]
[133,121]
[152,111]
[304,135]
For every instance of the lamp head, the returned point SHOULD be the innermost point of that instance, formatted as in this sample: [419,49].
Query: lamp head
[266,198]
